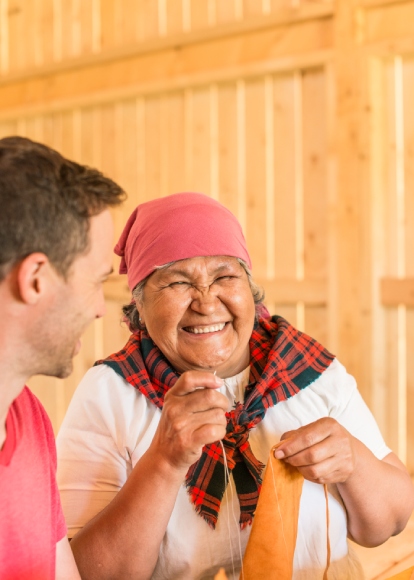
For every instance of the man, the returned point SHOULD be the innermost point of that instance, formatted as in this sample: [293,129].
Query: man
[55,253]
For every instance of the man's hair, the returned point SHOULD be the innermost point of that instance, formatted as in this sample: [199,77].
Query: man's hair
[46,202]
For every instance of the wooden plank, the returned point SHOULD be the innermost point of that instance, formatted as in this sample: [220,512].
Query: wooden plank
[253,8]
[408,124]
[8,128]
[227,149]
[396,291]
[84,31]
[316,323]
[45,31]
[200,179]
[389,21]
[131,29]
[286,292]
[315,219]
[200,14]
[152,148]
[16,48]
[287,175]
[149,13]
[225,12]
[26,98]
[65,29]
[108,12]
[173,138]
[174,17]
[256,207]
[381,3]
[128,147]
[314,16]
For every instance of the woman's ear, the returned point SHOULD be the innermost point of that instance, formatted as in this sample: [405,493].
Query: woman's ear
[32,277]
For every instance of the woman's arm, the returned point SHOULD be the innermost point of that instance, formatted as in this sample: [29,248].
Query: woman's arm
[378,494]
[123,540]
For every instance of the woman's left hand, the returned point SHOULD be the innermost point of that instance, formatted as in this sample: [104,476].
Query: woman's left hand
[322,451]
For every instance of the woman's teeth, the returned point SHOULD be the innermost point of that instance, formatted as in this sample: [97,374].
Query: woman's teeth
[205,329]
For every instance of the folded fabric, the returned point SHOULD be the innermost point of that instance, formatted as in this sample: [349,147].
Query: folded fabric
[271,546]
[406,575]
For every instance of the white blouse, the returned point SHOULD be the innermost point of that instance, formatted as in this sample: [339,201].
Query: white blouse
[109,426]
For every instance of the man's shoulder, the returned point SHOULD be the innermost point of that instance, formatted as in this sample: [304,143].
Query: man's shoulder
[30,413]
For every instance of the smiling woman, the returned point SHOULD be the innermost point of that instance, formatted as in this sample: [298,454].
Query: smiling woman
[207,384]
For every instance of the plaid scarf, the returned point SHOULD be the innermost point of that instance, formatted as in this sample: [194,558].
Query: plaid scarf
[283,361]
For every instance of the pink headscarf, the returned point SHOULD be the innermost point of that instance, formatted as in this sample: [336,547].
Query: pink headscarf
[180,226]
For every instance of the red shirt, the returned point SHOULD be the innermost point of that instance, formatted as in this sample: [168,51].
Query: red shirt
[31,517]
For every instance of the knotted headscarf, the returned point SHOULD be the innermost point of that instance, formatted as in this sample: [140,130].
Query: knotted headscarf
[177,227]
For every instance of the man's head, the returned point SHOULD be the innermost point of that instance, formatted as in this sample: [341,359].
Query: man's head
[46,202]
[55,251]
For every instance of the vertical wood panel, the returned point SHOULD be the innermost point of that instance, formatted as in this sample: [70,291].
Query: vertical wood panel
[200,141]
[256,175]
[45,30]
[7,129]
[285,176]
[226,12]
[314,174]
[200,14]
[227,149]
[253,7]
[132,22]
[408,115]
[174,17]
[108,18]
[152,148]
[16,31]
[174,141]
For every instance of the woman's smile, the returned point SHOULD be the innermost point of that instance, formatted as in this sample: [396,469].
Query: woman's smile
[207,329]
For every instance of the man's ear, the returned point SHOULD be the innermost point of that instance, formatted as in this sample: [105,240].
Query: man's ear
[32,277]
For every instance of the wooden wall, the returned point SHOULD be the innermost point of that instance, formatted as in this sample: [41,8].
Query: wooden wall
[297,115]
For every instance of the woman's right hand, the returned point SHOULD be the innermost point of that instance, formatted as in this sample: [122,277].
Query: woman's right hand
[193,416]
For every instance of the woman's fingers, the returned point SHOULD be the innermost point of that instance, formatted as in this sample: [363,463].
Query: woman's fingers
[322,451]
[196,392]
[193,416]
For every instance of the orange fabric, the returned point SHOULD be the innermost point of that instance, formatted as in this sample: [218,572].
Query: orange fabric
[406,575]
[271,546]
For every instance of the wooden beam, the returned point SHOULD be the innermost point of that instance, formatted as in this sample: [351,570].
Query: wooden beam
[395,291]
[282,291]
[283,19]
[290,291]
[171,69]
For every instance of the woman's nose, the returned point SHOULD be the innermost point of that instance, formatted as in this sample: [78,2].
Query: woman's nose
[204,299]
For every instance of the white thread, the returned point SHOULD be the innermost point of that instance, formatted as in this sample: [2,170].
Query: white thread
[226,483]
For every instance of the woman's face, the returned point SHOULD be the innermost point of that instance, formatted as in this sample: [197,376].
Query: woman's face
[200,313]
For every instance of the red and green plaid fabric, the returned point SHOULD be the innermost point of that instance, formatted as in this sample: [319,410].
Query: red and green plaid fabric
[283,361]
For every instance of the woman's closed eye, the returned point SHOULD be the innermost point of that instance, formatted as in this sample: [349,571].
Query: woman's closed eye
[181,284]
